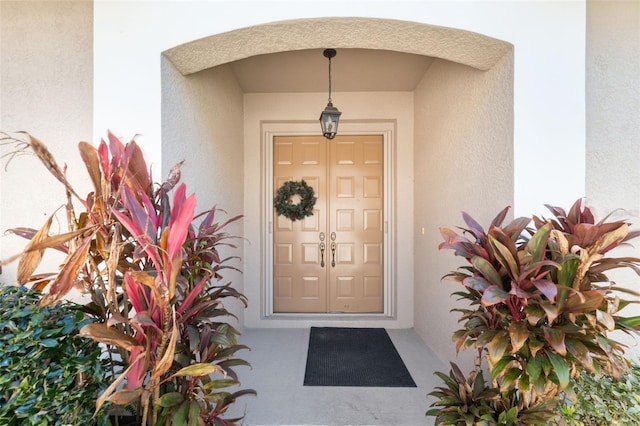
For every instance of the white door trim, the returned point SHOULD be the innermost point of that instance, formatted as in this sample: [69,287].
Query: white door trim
[270,129]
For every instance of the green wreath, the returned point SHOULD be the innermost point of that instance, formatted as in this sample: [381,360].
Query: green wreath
[285,207]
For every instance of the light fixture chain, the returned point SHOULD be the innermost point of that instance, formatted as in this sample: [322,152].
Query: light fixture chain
[329,80]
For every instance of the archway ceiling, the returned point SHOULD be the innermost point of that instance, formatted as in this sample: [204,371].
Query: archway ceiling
[377,54]
[352,70]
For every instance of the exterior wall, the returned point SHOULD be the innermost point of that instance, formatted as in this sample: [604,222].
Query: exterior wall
[46,88]
[463,162]
[613,124]
[357,108]
[548,39]
[613,105]
[202,125]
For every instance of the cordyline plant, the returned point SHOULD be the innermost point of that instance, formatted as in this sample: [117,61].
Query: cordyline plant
[153,276]
[541,309]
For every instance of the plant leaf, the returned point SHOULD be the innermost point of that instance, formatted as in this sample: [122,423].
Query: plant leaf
[551,310]
[124,396]
[32,258]
[200,369]
[547,287]
[632,322]
[555,338]
[487,270]
[509,379]
[181,217]
[605,319]
[580,352]
[534,368]
[560,368]
[498,369]
[170,399]
[89,155]
[493,295]
[181,415]
[505,251]
[114,385]
[67,277]
[534,314]
[566,275]
[109,336]
[478,284]
[585,301]
[519,333]
[194,413]
[537,245]
[497,347]
[164,364]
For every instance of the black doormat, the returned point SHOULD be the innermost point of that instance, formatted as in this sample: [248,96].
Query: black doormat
[354,357]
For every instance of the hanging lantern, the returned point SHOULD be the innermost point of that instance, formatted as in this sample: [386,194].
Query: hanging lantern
[330,117]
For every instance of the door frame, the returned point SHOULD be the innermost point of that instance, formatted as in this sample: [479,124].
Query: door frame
[386,128]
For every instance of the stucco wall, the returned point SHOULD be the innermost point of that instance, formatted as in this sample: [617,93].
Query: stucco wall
[203,125]
[463,162]
[46,88]
[613,105]
[613,125]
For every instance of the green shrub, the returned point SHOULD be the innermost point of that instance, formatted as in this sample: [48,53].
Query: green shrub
[48,374]
[539,311]
[601,400]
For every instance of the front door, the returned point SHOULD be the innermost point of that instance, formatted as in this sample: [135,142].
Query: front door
[331,261]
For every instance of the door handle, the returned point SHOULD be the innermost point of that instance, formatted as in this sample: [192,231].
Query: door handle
[322,246]
[333,249]
[333,255]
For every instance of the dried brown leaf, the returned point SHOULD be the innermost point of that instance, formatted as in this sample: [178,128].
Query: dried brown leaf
[68,274]
[89,155]
[50,163]
[32,258]
[114,385]
[166,361]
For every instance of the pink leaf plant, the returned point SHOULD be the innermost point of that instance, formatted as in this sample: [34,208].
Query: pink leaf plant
[153,278]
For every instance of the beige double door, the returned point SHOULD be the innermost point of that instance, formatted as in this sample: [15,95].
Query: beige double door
[332,261]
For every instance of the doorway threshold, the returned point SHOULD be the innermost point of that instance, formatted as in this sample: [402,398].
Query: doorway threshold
[306,320]
[338,316]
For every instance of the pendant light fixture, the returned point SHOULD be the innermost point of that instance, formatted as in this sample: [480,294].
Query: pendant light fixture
[330,116]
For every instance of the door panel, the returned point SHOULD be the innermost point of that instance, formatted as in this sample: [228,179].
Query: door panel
[347,177]
[299,280]
[356,207]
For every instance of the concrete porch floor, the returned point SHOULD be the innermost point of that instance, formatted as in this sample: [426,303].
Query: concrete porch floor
[278,358]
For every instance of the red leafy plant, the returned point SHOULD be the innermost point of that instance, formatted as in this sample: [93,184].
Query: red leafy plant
[152,269]
[541,308]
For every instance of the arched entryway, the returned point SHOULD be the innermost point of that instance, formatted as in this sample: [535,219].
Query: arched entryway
[452,135]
